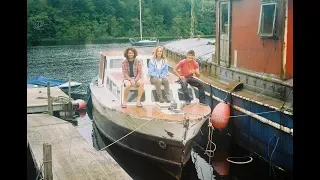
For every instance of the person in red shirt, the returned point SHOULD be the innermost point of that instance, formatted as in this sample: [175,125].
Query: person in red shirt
[189,68]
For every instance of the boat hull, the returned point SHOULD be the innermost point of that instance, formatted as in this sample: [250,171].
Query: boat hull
[145,44]
[172,158]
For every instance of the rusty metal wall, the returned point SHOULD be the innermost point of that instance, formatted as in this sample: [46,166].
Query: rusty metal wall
[251,51]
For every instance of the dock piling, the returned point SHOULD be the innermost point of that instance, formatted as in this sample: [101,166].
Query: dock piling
[47,161]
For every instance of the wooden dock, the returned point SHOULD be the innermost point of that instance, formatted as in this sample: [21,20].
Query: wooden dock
[72,156]
[37,99]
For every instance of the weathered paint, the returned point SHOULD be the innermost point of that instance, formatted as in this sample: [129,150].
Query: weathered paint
[289,59]
[254,53]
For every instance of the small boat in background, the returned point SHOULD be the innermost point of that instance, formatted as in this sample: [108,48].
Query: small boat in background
[41,81]
[143,42]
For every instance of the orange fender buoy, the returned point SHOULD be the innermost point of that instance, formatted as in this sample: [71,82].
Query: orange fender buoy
[82,113]
[81,104]
[220,115]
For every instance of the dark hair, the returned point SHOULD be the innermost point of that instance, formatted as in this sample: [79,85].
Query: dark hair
[191,52]
[130,49]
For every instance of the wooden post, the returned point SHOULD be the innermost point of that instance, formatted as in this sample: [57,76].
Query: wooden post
[69,87]
[50,109]
[47,161]
[69,93]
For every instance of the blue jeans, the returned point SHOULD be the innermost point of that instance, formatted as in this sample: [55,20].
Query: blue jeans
[195,83]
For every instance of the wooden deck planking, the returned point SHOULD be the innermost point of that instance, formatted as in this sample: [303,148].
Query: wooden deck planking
[72,156]
[37,99]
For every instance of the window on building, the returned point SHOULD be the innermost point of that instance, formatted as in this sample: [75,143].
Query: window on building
[224,18]
[267,20]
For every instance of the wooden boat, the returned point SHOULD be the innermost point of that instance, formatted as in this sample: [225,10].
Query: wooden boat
[162,132]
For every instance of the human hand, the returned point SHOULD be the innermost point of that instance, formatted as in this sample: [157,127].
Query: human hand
[197,72]
[133,83]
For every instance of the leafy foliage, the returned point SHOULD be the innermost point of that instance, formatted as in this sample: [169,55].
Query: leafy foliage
[101,19]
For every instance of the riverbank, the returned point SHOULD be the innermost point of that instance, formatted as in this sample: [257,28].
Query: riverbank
[52,42]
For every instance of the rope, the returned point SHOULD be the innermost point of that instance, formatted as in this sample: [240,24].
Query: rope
[40,170]
[245,162]
[127,134]
[209,151]
[270,163]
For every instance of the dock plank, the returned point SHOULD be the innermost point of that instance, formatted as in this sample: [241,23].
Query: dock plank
[72,156]
[37,100]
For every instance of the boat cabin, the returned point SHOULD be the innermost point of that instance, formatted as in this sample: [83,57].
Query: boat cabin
[111,78]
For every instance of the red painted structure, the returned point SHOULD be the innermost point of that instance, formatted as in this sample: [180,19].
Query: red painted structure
[247,50]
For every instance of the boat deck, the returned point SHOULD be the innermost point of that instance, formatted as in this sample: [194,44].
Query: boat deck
[37,99]
[72,156]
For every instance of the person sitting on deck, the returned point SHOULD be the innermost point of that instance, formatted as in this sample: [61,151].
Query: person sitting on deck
[188,69]
[158,71]
[132,73]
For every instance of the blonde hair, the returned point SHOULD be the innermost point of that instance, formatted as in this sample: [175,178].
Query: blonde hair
[155,52]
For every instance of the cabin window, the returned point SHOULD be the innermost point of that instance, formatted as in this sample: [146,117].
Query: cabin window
[154,97]
[181,95]
[133,94]
[115,63]
[114,89]
[267,20]
[110,84]
[118,92]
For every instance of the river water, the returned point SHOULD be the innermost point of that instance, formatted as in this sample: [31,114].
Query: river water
[81,62]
